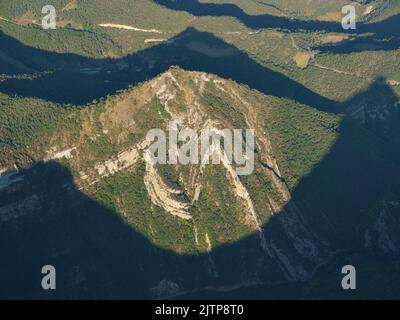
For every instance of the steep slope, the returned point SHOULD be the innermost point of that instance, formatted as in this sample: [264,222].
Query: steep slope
[88,200]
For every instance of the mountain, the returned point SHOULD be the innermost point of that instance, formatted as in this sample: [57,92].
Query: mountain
[95,207]
[83,107]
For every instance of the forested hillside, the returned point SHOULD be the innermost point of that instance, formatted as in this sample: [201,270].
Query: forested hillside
[77,189]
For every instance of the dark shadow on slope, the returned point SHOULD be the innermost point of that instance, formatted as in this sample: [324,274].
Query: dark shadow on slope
[191,50]
[379,109]
[361,44]
[385,34]
[97,255]
[349,205]
[388,27]
[379,93]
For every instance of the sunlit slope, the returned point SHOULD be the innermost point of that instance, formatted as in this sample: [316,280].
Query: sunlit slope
[335,64]
[113,216]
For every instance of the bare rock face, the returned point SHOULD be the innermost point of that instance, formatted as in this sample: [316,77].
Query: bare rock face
[196,226]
